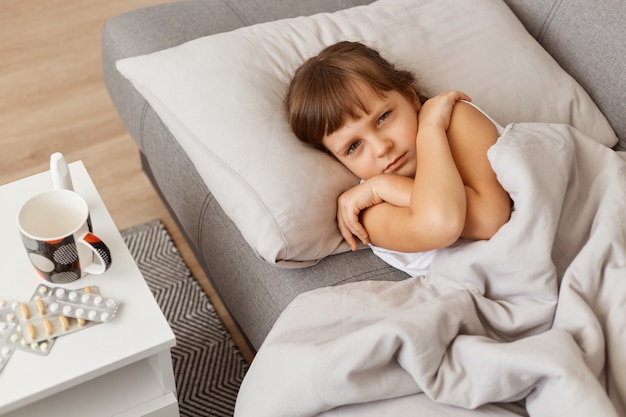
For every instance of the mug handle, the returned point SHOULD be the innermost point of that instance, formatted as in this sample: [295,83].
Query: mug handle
[102,252]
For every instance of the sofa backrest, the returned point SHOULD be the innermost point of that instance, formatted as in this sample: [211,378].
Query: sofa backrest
[588,40]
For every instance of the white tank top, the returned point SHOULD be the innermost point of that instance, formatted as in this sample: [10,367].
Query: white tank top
[414,264]
[417,263]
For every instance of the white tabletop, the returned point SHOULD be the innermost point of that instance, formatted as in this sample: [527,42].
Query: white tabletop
[139,329]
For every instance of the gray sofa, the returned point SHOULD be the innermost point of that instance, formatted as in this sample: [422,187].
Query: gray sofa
[586,38]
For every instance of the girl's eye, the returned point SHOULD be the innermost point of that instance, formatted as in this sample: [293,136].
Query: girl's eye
[384,116]
[353,147]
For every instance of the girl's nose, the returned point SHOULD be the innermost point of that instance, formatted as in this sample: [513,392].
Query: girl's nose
[382,146]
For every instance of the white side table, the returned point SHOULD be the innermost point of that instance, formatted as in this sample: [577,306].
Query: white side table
[122,367]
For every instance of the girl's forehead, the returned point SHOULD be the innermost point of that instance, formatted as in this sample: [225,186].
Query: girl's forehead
[364,99]
[367,92]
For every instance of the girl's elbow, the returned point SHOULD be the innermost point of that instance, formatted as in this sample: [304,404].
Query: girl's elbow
[452,230]
[446,229]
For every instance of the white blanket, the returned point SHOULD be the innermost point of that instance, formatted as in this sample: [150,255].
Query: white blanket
[537,313]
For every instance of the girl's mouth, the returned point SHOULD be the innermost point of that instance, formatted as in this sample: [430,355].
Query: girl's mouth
[395,164]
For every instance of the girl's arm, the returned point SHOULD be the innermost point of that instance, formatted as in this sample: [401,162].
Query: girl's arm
[389,188]
[455,193]
[433,159]
[436,213]
[488,204]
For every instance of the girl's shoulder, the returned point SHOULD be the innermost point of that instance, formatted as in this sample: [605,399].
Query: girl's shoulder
[471,132]
[474,112]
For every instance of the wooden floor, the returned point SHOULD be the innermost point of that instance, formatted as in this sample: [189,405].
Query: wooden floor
[53,98]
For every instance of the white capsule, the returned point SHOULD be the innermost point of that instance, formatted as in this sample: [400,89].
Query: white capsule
[84,298]
[72,295]
[80,312]
[67,310]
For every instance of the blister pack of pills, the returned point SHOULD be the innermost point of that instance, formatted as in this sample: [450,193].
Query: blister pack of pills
[54,312]
[34,325]
[7,323]
[6,351]
[83,304]
[41,347]
[17,339]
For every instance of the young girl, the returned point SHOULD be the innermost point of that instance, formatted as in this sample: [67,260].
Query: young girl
[426,178]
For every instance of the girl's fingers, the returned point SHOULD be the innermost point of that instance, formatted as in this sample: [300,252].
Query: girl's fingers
[348,237]
[361,234]
[352,230]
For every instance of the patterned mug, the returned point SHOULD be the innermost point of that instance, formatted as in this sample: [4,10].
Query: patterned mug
[57,234]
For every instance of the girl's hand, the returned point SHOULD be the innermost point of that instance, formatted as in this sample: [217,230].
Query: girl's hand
[349,205]
[437,111]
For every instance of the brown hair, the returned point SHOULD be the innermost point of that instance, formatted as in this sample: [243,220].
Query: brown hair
[319,99]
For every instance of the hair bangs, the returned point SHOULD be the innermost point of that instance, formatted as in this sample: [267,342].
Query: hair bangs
[326,106]
[343,104]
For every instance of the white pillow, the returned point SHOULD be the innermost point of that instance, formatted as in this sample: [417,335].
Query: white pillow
[221,97]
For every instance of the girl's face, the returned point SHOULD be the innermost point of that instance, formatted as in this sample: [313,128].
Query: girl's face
[380,140]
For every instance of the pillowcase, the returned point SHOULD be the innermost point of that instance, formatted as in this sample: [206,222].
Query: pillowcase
[221,97]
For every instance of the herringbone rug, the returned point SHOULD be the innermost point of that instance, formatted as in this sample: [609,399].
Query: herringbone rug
[207,364]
